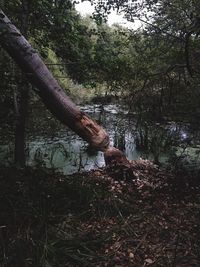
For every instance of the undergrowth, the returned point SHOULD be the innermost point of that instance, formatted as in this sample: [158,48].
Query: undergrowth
[92,219]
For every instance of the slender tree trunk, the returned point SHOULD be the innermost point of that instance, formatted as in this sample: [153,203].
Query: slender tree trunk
[48,88]
[22,99]
[21,107]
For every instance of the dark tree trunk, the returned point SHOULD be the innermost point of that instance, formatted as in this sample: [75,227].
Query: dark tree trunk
[21,106]
[48,88]
[22,99]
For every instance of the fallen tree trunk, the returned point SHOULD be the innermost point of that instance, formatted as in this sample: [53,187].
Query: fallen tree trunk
[49,90]
[53,95]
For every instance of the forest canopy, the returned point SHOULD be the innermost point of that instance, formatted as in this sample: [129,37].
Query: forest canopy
[160,58]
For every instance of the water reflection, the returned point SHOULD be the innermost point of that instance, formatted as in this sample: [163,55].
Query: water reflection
[67,156]
[67,153]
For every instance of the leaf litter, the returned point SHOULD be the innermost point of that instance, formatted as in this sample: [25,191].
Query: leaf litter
[143,216]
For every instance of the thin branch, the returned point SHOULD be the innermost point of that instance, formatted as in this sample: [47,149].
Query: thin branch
[187,52]
[155,27]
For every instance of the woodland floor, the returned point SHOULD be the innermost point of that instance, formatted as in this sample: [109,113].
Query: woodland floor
[94,219]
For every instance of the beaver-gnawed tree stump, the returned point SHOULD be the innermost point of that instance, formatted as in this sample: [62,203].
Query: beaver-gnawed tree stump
[117,164]
[120,168]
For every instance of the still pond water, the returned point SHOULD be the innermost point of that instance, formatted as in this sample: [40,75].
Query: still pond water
[67,153]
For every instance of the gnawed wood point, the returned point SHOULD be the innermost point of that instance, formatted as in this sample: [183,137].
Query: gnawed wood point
[114,156]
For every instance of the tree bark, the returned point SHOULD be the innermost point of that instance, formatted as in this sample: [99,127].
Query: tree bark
[22,99]
[21,107]
[48,88]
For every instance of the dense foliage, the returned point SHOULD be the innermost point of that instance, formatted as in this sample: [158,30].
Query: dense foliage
[158,60]
[166,49]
